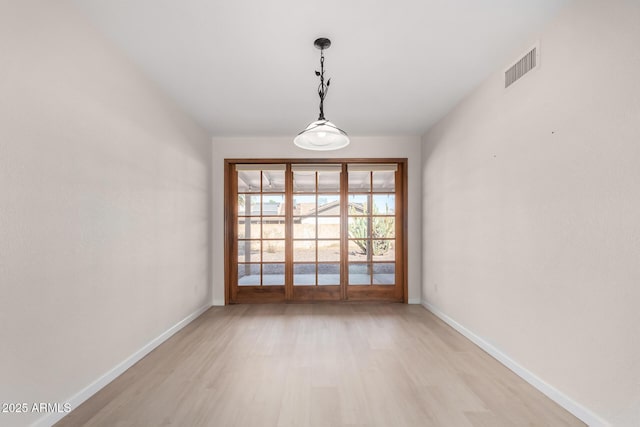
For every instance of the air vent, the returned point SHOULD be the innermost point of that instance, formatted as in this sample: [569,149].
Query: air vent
[520,68]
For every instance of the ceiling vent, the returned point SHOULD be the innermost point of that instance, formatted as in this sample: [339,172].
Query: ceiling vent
[525,64]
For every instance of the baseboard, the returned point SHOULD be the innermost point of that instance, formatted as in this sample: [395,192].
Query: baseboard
[552,393]
[217,302]
[415,301]
[109,376]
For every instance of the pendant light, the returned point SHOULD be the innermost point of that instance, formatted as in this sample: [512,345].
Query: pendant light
[322,135]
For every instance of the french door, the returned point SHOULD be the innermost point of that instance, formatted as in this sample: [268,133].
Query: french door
[321,230]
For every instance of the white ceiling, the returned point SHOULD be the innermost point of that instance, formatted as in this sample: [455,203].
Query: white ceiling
[246,67]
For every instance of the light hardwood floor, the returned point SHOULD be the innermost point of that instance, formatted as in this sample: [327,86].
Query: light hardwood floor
[318,365]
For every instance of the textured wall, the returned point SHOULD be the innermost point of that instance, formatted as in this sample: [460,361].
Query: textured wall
[531,208]
[104,200]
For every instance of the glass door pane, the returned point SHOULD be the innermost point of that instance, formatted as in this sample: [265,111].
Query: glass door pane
[372,224]
[316,225]
[260,223]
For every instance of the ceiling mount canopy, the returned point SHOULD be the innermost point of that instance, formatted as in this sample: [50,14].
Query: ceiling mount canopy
[322,135]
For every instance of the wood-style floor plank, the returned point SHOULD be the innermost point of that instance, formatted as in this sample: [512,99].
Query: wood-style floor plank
[322,365]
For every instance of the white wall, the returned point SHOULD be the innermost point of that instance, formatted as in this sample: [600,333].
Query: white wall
[360,147]
[104,200]
[531,211]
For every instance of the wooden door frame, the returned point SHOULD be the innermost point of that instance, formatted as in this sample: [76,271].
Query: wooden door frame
[273,295]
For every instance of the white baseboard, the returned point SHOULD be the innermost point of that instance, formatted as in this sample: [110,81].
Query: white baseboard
[97,385]
[217,302]
[415,301]
[552,393]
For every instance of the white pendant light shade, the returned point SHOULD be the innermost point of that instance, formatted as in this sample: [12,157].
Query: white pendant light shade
[322,135]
